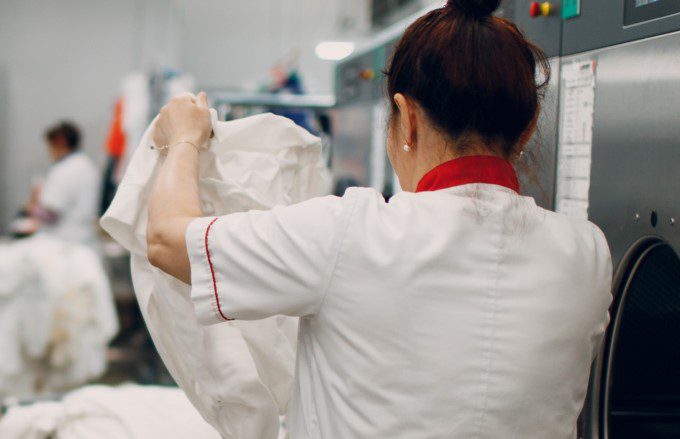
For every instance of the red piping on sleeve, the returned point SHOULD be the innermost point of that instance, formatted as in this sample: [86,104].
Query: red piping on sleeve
[212,270]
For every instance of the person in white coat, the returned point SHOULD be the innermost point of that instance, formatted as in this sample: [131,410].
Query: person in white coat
[65,205]
[458,309]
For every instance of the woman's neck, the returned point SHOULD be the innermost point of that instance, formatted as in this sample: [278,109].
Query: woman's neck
[426,159]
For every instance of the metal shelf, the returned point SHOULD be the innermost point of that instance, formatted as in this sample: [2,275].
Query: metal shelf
[272,100]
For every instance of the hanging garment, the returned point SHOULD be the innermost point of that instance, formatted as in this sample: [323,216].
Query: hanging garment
[238,375]
[56,316]
[115,148]
[130,119]
[125,412]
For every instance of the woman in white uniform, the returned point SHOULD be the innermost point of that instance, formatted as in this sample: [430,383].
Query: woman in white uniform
[457,309]
[66,204]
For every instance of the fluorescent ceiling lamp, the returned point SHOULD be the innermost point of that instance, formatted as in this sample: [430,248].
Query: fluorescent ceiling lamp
[334,50]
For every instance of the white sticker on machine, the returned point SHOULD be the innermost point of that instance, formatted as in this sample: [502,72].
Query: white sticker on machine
[576,137]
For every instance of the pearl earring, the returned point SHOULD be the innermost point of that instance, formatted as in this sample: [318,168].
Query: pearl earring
[407,148]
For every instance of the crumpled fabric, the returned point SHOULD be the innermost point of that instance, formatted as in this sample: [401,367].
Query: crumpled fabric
[125,412]
[57,316]
[238,375]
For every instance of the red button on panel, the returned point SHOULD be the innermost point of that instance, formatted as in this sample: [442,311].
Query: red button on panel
[537,9]
[534,9]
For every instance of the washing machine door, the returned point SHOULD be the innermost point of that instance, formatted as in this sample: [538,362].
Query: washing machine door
[640,387]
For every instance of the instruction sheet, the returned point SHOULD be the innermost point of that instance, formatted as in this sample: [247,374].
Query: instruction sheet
[576,138]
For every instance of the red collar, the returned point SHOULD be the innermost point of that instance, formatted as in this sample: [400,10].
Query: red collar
[470,169]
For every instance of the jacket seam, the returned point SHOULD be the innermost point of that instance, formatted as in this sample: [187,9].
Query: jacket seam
[341,243]
[494,309]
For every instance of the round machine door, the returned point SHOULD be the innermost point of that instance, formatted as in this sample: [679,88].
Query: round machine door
[641,376]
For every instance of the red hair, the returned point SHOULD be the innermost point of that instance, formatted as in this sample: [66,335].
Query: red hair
[472,73]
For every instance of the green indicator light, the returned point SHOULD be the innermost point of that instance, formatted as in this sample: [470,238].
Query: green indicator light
[571,9]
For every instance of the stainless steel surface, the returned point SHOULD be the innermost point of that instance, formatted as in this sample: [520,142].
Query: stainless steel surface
[360,89]
[601,24]
[634,175]
[352,85]
[537,176]
[546,32]
[273,100]
[352,128]
[636,141]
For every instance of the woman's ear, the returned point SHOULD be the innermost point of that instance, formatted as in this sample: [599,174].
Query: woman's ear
[406,119]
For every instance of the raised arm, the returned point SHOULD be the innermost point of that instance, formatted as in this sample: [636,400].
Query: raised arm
[184,124]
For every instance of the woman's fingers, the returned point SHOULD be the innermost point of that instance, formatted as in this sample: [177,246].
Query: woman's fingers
[202,100]
[184,118]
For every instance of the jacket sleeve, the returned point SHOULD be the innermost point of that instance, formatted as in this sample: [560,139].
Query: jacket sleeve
[257,264]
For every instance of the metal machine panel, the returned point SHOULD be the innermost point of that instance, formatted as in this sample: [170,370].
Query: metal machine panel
[636,142]
[358,79]
[603,23]
[634,199]
[351,145]
[537,176]
[359,89]
[546,32]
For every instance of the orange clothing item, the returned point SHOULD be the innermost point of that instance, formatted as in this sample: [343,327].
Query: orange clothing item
[115,142]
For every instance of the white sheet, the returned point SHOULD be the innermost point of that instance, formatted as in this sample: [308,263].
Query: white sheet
[125,412]
[238,375]
[56,316]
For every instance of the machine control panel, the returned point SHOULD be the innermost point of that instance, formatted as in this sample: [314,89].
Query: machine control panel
[537,9]
[539,20]
[360,79]
[606,23]
[637,11]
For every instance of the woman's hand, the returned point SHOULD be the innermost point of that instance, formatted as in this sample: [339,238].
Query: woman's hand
[174,200]
[183,119]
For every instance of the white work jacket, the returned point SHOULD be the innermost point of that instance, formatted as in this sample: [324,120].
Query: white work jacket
[460,311]
[71,190]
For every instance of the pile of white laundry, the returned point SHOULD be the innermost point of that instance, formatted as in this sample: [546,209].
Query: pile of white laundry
[238,375]
[125,412]
[56,316]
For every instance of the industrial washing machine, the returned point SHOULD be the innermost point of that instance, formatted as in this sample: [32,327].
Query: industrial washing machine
[621,72]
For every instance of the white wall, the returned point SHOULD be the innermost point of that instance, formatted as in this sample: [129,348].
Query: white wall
[64,59]
[227,44]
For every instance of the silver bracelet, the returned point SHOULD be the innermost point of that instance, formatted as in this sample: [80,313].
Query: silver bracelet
[166,147]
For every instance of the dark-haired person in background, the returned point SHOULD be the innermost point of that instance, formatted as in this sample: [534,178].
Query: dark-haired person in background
[458,309]
[65,204]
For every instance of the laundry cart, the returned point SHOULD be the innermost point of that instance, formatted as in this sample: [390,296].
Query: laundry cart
[619,156]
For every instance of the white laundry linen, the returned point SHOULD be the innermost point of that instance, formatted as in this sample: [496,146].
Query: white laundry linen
[239,375]
[56,316]
[71,190]
[465,312]
[102,412]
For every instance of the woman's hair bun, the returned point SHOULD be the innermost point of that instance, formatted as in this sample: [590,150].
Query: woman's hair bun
[474,8]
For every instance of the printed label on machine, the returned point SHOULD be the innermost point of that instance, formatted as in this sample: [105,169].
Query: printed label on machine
[576,137]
